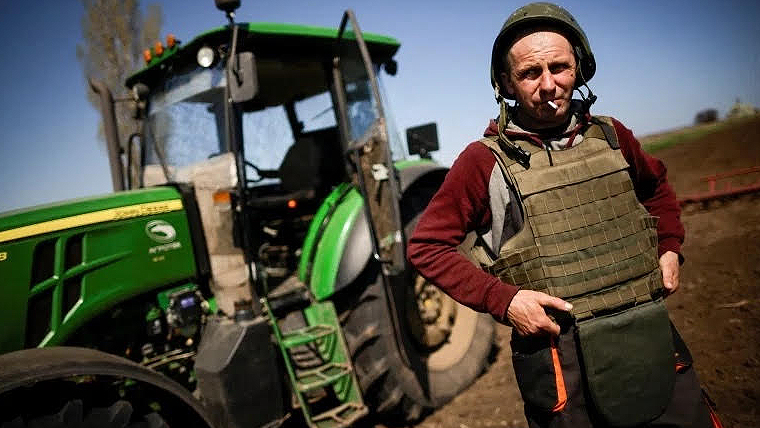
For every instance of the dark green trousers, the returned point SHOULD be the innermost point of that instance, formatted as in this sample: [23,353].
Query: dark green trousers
[687,407]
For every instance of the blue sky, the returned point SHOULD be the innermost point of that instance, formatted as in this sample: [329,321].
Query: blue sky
[658,63]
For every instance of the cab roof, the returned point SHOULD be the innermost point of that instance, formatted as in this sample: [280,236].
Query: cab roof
[284,44]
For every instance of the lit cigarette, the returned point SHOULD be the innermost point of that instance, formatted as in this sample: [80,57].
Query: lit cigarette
[551,103]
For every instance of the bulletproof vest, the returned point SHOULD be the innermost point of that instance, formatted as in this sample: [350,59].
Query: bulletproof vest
[585,236]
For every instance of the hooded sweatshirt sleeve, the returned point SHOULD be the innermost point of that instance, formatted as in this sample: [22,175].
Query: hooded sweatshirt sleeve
[650,179]
[460,205]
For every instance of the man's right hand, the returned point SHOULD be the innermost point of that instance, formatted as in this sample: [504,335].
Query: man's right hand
[527,315]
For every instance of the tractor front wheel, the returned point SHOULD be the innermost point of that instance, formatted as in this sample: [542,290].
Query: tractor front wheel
[80,387]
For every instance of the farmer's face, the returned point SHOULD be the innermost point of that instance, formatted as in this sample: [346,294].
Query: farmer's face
[541,69]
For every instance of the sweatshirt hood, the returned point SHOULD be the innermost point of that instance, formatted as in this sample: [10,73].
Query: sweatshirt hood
[492,129]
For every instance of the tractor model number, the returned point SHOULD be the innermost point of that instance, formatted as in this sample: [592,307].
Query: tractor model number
[3,256]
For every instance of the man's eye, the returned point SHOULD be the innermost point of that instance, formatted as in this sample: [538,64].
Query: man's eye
[558,68]
[530,74]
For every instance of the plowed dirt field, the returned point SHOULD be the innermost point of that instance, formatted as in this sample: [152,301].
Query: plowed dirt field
[717,308]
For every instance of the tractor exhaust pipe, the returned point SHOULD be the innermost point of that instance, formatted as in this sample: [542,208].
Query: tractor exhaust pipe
[112,134]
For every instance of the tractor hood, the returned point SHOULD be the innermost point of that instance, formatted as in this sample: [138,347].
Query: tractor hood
[86,211]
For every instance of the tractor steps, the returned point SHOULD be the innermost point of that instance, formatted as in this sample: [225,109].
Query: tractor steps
[342,416]
[305,335]
[330,373]
[321,376]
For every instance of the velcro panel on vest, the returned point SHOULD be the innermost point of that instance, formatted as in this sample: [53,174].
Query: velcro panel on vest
[635,292]
[594,235]
[572,242]
[534,275]
[583,193]
[632,253]
[540,179]
[597,257]
[584,215]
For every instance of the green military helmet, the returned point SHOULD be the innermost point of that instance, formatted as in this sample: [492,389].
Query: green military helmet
[542,13]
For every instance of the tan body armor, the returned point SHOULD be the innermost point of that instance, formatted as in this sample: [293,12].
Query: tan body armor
[585,237]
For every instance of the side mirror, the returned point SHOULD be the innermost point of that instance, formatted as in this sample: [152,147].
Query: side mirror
[242,78]
[138,103]
[422,140]
[227,6]
[391,67]
[140,92]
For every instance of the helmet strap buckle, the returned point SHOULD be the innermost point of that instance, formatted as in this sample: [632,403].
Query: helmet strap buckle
[588,99]
[512,150]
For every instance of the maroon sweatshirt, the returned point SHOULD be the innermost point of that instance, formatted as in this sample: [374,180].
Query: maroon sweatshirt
[462,205]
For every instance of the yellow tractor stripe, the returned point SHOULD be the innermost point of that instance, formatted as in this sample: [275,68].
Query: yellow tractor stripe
[112,214]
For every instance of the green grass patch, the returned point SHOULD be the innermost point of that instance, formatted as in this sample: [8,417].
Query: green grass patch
[663,141]
[657,142]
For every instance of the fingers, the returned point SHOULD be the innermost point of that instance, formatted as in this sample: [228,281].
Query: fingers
[551,327]
[670,271]
[541,326]
[669,282]
[548,301]
[671,287]
[526,313]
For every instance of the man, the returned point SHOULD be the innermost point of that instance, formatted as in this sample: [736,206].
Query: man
[578,238]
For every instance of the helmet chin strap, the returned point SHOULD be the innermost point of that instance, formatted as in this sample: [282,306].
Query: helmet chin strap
[586,100]
[512,150]
[590,98]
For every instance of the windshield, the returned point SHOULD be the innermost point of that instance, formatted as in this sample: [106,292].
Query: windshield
[185,122]
[185,117]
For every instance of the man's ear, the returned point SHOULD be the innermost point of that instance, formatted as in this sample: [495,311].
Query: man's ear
[506,83]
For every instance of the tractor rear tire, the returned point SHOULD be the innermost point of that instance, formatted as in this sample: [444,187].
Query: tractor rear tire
[395,390]
[80,387]
[435,373]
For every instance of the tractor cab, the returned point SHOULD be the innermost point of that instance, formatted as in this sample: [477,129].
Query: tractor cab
[283,131]
[262,120]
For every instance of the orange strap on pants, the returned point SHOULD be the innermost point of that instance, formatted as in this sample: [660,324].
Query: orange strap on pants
[560,380]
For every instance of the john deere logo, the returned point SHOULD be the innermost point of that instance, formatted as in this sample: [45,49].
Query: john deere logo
[160,231]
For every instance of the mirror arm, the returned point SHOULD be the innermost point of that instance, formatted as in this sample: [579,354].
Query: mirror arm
[233,52]
[236,146]
[112,133]
[130,145]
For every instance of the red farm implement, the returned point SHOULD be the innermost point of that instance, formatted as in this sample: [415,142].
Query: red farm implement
[729,188]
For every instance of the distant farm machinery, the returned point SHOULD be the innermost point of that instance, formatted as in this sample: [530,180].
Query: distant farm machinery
[728,190]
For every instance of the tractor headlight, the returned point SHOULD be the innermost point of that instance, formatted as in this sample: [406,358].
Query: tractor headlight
[205,56]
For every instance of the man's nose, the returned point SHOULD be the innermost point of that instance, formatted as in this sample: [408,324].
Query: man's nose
[547,81]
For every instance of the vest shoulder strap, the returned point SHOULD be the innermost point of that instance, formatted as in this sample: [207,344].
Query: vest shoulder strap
[608,129]
[504,154]
[493,144]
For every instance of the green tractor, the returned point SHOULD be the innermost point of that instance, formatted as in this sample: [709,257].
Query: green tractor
[249,269]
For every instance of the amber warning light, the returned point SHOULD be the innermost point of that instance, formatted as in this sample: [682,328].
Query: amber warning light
[292,203]
[221,198]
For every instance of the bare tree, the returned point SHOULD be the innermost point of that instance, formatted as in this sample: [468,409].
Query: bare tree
[115,34]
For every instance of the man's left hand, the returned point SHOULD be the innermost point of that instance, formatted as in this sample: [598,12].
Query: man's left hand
[669,266]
